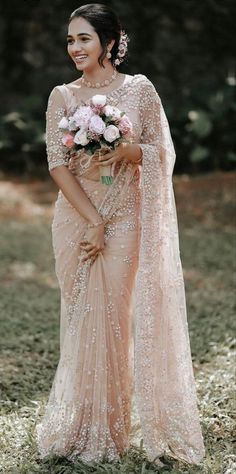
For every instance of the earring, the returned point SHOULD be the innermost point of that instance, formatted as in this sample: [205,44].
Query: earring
[108,55]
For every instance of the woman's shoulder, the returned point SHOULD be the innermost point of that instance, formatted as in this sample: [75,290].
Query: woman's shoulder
[59,93]
[143,81]
[58,88]
[56,92]
[144,88]
[136,79]
[138,83]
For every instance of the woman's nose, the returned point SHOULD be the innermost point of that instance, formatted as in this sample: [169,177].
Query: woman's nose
[76,47]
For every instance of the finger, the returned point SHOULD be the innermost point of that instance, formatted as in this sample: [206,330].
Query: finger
[91,254]
[108,162]
[111,159]
[88,247]
[107,156]
[96,154]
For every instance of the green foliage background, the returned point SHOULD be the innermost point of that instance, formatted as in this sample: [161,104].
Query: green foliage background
[185,48]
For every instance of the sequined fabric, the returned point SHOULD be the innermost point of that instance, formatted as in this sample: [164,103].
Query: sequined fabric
[103,361]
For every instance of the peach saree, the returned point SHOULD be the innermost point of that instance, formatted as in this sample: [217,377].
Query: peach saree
[133,292]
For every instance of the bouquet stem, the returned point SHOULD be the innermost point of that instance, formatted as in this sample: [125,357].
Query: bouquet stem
[106,176]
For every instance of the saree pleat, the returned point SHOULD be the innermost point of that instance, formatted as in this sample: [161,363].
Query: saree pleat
[90,402]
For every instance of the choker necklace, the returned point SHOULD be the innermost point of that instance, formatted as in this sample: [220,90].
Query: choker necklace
[99,84]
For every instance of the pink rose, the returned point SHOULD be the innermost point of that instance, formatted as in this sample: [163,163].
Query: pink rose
[111,133]
[68,140]
[125,125]
[82,116]
[97,125]
[122,52]
[81,138]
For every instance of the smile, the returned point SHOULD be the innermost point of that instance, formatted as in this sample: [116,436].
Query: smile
[80,58]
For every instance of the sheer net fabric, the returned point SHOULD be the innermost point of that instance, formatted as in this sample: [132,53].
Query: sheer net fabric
[137,278]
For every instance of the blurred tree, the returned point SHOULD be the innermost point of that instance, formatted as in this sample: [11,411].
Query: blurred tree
[185,48]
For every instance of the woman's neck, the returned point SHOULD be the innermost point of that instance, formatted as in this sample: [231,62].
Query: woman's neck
[99,74]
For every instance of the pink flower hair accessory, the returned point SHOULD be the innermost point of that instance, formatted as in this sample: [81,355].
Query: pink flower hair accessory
[122,48]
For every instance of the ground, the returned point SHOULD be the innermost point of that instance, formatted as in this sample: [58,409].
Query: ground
[29,305]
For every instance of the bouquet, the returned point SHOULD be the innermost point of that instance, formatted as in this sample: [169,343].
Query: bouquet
[94,129]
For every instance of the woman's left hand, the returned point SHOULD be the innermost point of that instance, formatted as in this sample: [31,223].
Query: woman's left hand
[124,151]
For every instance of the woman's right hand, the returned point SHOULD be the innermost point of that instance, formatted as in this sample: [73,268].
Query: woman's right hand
[75,156]
[93,242]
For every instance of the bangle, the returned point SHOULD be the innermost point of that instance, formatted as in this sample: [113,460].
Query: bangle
[95,224]
[137,161]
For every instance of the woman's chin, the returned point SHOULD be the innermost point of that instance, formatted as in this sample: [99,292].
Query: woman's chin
[79,67]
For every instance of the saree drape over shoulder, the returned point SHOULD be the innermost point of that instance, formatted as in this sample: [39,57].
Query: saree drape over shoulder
[104,358]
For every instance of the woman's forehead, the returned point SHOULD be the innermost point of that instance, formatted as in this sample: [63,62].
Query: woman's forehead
[79,26]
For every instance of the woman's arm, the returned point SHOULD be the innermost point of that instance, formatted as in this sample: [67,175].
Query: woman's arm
[75,194]
[58,170]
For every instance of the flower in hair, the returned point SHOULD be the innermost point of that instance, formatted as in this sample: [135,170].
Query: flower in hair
[122,48]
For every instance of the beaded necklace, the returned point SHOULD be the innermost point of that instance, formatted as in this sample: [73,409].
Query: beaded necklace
[97,85]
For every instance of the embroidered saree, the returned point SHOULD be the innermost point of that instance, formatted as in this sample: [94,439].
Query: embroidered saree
[123,327]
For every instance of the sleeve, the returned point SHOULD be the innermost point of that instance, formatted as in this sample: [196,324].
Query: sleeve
[56,109]
[149,112]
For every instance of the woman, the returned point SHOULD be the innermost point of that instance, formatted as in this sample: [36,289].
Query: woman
[117,254]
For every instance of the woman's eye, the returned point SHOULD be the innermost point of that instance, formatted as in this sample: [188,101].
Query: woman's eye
[70,41]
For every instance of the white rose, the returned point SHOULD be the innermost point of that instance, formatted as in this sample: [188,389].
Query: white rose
[114,112]
[111,133]
[63,123]
[72,124]
[99,100]
[81,138]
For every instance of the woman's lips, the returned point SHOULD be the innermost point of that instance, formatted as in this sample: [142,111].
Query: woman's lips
[80,59]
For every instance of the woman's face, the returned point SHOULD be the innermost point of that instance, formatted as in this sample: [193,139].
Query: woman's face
[84,45]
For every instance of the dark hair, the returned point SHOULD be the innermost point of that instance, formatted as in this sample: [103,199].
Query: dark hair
[106,24]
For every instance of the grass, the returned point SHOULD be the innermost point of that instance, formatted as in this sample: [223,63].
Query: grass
[29,308]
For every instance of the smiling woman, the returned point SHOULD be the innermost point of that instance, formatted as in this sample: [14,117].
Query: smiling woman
[117,261]
[100,28]
[81,38]
[84,45]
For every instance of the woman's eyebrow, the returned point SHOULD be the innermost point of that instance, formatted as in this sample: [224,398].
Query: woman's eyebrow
[80,34]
